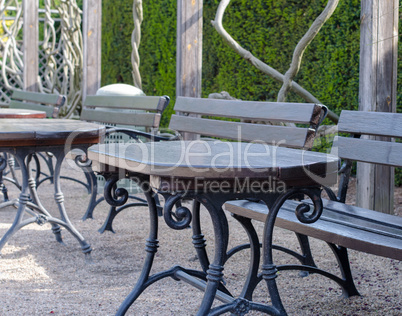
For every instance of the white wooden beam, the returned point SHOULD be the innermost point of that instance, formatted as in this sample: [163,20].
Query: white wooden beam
[92,31]
[31,44]
[189,50]
[377,92]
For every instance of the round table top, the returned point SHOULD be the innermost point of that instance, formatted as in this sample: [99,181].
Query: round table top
[33,132]
[21,113]
[217,160]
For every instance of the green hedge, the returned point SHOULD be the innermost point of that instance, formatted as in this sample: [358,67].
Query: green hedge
[270,29]
[157,48]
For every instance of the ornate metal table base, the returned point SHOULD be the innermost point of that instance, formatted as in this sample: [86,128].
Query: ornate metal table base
[210,278]
[29,202]
[7,161]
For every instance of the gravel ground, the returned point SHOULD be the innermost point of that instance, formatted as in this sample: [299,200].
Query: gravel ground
[39,276]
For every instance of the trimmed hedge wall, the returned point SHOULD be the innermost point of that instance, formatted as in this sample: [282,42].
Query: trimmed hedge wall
[270,29]
[157,48]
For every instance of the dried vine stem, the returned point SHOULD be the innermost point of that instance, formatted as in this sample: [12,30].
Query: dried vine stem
[301,47]
[71,45]
[49,49]
[10,52]
[247,55]
[135,42]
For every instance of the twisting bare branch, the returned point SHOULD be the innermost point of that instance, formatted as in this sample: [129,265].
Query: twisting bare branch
[302,45]
[247,55]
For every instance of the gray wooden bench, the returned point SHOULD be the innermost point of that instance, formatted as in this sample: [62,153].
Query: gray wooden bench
[345,226]
[249,120]
[49,103]
[123,116]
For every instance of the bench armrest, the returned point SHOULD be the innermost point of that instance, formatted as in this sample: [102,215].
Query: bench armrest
[135,134]
[344,171]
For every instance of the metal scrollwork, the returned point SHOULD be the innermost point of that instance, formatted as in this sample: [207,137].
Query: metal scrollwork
[82,161]
[303,211]
[180,218]
[113,196]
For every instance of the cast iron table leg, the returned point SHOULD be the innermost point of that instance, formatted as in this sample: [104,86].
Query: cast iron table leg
[30,202]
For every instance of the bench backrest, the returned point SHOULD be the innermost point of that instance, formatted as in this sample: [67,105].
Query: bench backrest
[377,149]
[251,120]
[49,103]
[143,111]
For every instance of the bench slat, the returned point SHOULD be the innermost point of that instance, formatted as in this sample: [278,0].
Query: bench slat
[270,134]
[304,113]
[121,117]
[344,225]
[147,103]
[32,106]
[365,150]
[371,123]
[49,103]
[44,98]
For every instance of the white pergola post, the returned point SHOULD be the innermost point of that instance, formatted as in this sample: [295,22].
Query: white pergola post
[377,92]
[31,43]
[189,50]
[92,31]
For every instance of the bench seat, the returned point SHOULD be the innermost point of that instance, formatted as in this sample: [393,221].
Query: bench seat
[344,225]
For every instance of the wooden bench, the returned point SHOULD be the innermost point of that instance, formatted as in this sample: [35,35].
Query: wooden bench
[249,121]
[345,226]
[123,115]
[49,103]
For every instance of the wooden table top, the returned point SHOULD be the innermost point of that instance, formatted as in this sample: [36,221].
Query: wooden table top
[34,132]
[217,160]
[21,113]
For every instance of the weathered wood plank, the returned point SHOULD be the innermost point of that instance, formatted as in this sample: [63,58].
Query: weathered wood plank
[121,117]
[125,110]
[304,113]
[34,132]
[270,134]
[189,50]
[92,31]
[371,151]
[371,123]
[377,91]
[32,106]
[43,98]
[50,103]
[31,43]
[147,103]
[189,162]
[344,225]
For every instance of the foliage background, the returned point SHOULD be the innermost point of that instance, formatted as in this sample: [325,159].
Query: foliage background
[157,48]
[270,29]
